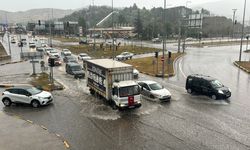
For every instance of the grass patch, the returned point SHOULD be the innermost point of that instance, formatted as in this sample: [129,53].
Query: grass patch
[2,50]
[244,64]
[106,51]
[41,81]
[149,65]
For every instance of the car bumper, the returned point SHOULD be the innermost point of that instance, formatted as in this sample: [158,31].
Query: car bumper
[125,106]
[81,76]
[165,98]
[224,96]
[46,102]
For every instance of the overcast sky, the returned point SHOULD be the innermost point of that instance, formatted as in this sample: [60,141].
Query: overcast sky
[21,5]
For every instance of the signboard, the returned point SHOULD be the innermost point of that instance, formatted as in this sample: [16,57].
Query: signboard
[32,55]
[97,77]
[80,31]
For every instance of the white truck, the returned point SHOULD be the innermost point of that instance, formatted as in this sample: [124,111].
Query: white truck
[113,81]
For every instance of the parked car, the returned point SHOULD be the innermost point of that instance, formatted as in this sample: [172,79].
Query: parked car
[83,56]
[54,53]
[24,41]
[83,41]
[208,86]
[68,59]
[125,56]
[26,94]
[66,52]
[154,91]
[44,45]
[75,69]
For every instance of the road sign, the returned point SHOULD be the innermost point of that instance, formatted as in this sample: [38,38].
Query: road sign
[34,61]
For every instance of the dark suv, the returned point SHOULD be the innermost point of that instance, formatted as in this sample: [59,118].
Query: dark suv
[75,69]
[208,86]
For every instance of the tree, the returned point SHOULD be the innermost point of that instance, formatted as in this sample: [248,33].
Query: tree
[138,25]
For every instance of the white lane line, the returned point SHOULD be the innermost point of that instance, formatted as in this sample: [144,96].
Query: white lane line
[180,64]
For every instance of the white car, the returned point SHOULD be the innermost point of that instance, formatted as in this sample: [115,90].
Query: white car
[156,40]
[54,53]
[66,52]
[125,56]
[26,94]
[83,56]
[154,91]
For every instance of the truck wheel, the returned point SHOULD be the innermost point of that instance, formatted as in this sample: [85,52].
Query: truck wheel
[189,91]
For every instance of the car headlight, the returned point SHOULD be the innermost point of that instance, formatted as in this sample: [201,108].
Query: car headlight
[220,91]
[229,89]
[157,95]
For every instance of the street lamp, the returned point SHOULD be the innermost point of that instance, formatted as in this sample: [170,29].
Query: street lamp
[164,40]
[242,31]
[112,31]
[234,10]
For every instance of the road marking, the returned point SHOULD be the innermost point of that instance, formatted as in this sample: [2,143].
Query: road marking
[29,121]
[180,62]
[66,144]
[44,127]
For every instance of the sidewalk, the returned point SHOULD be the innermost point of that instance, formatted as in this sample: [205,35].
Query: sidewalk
[18,134]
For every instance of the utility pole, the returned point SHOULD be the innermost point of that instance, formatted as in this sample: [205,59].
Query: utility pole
[234,10]
[8,35]
[242,31]
[93,10]
[113,31]
[164,40]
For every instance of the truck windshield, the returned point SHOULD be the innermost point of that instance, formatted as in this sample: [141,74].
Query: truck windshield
[129,91]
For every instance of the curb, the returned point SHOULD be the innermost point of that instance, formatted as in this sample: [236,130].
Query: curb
[67,146]
[165,75]
[14,62]
[244,69]
[6,85]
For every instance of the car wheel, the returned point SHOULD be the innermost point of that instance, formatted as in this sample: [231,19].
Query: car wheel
[7,102]
[131,57]
[214,97]
[189,91]
[152,96]
[35,103]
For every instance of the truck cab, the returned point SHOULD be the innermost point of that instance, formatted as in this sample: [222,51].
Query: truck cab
[126,94]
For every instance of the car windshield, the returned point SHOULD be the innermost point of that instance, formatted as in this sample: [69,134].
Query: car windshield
[76,68]
[34,90]
[216,84]
[83,55]
[129,91]
[155,86]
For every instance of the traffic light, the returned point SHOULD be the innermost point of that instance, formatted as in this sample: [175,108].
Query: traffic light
[156,54]
[39,22]
[235,22]
[51,62]
[169,54]
[67,24]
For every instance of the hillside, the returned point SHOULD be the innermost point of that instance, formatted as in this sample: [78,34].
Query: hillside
[32,15]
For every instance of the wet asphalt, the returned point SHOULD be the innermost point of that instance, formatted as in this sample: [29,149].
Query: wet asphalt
[187,122]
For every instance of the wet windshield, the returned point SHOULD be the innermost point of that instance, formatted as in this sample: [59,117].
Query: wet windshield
[155,86]
[33,90]
[129,91]
[216,84]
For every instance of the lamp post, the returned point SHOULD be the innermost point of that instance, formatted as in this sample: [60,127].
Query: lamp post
[164,40]
[234,10]
[242,31]
[112,31]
